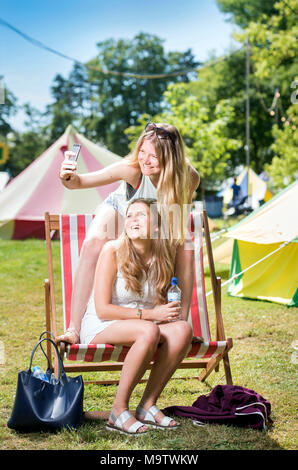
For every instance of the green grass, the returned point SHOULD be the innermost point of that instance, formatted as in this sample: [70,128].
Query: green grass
[260,359]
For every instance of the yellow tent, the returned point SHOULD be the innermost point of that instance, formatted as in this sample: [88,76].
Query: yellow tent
[272,228]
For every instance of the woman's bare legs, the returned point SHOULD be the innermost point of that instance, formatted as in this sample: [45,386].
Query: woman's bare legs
[175,339]
[107,225]
[143,338]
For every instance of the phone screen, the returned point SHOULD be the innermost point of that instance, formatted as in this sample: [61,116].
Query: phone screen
[76,149]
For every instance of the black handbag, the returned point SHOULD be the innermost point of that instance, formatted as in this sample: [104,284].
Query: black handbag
[44,406]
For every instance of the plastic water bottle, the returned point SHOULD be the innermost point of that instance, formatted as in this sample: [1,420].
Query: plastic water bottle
[39,374]
[174,293]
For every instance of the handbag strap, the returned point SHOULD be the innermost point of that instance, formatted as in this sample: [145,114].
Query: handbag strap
[61,371]
[49,333]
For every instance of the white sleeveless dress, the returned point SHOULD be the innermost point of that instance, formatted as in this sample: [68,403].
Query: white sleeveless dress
[120,198]
[92,325]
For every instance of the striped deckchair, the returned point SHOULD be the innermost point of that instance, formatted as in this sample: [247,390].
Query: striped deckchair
[205,355]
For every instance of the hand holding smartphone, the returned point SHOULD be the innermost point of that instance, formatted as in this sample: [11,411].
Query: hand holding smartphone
[72,158]
[76,150]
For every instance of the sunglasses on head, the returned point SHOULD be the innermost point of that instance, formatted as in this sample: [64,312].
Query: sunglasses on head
[161,133]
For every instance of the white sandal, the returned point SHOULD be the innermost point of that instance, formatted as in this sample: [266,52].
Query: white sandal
[120,420]
[150,420]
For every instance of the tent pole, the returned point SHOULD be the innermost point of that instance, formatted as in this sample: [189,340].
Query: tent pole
[247,105]
[247,128]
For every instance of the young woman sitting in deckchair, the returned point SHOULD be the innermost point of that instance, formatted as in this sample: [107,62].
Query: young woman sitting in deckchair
[129,307]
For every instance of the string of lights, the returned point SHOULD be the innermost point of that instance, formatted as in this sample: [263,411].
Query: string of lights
[276,105]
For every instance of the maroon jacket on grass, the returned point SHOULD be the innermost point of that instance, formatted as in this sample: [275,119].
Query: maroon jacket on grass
[228,404]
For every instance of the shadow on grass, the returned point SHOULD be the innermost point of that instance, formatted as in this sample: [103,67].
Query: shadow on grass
[93,435]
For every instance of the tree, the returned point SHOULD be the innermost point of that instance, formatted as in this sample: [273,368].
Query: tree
[71,102]
[273,44]
[283,169]
[26,146]
[224,79]
[242,12]
[207,144]
[7,110]
[103,105]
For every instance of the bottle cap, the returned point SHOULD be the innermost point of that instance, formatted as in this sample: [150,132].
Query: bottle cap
[174,281]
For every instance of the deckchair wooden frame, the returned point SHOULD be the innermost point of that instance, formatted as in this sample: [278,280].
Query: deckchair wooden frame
[207,364]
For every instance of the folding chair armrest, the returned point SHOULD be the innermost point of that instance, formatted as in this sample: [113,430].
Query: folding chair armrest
[220,331]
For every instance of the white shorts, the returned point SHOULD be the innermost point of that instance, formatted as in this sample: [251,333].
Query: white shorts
[92,325]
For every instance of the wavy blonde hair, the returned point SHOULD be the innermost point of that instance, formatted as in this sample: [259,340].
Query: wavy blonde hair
[173,184]
[132,266]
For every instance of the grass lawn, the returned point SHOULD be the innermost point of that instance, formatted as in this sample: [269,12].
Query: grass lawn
[261,359]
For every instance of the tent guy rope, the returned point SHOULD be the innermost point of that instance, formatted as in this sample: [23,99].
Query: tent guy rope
[251,266]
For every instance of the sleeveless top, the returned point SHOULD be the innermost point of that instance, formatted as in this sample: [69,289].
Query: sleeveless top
[127,298]
[120,198]
[91,324]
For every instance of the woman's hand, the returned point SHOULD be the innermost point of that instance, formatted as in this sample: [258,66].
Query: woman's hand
[166,313]
[68,169]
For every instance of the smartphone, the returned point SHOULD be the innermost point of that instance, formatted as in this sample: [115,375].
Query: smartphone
[76,149]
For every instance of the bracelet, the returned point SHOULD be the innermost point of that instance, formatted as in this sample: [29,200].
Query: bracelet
[139,314]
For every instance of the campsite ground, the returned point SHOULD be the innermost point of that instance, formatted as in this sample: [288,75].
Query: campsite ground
[262,359]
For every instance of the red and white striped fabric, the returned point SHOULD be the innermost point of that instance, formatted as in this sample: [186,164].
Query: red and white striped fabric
[73,230]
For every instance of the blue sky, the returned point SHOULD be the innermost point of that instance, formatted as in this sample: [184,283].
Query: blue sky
[75,26]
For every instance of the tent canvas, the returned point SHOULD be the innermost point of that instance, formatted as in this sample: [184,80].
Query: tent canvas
[251,186]
[274,226]
[38,189]
[4,178]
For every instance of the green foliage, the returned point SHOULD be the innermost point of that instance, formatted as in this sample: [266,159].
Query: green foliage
[120,100]
[7,110]
[242,12]
[273,44]
[283,169]
[25,147]
[203,130]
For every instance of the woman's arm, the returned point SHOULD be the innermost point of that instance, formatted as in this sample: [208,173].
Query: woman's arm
[114,172]
[105,276]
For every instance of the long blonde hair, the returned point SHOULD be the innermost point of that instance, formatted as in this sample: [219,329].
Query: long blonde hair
[132,266]
[173,184]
